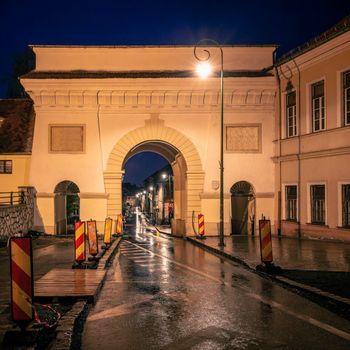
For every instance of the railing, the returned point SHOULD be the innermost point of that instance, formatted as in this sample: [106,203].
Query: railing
[11,198]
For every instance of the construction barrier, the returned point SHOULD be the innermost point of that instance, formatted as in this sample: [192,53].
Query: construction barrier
[80,249]
[92,237]
[201,225]
[119,229]
[108,231]
[265,241]
[22,289]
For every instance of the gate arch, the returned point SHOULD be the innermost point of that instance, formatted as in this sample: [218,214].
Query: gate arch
[155,132]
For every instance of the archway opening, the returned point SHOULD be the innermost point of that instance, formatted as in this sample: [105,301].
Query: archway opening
[67,207]
[242,208]
[155,181]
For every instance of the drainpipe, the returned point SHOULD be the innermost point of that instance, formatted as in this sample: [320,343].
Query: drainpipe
[279,232]
[299,148]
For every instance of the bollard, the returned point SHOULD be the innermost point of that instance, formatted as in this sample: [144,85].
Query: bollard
[92,237]
[201,226]
[265,241]
[22,288]
[80,243]
[119,229]
[107,232]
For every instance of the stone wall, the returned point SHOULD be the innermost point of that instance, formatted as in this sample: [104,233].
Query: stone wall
[18,217]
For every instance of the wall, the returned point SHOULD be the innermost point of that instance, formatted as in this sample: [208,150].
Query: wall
[18,217]
[20,172]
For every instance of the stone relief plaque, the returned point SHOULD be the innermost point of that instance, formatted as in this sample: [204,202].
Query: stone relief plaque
[243,138]
[67,138]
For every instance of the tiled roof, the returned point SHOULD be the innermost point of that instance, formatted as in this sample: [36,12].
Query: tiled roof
[16,131]
[338,29]
[133,74]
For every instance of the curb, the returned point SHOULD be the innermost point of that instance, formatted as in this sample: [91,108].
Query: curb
[281,279]
[219,252]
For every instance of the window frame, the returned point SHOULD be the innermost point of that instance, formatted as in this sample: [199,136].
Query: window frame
[343,212]
[321,107]
[293,109]
[5,161]
[312,205]
[287,206]
[345,90]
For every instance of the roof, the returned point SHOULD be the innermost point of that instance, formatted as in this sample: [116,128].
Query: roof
[82,74]
[338,29]
[151,46]
[16,131]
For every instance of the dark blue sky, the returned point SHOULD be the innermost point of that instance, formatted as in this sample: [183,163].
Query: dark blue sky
[141,165]
[114,22]
[287,23]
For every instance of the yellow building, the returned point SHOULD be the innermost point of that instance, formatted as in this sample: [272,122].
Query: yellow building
[313,137]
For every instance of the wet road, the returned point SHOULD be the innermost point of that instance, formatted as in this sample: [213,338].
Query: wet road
[168,294]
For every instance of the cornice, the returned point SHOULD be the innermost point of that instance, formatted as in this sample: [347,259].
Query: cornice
[318,54]
[314,154]
[145,99]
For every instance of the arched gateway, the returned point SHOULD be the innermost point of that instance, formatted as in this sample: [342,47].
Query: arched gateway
[97,106]
[178,150]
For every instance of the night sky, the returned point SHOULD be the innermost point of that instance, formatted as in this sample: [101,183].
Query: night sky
[114,22]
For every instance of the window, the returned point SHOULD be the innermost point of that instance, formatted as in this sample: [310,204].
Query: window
[291,114]
[318,107]
[346,205]
[291,203]
[346,87]
[5,166]
[318,204]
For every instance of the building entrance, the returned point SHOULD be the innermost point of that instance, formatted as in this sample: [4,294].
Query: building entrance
[67,207]
[243,208]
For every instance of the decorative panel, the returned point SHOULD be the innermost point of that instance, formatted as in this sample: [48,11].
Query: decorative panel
[243,138]
[66,138]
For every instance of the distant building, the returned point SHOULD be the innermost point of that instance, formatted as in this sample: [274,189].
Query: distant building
[160,195]
[17,119]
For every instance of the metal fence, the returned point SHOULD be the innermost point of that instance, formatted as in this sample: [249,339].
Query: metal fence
[11,198]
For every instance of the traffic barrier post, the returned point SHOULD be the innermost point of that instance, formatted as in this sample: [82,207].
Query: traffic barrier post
[119,229]
[107,235]
[265,241]
[79,244]
[92,237]
[22,287]
[201,230]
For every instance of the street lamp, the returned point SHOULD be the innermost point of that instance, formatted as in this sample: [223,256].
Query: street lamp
[204,70]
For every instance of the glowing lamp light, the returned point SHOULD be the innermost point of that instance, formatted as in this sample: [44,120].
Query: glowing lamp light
[151,188]
[204,69]
[144,192]
[164,176]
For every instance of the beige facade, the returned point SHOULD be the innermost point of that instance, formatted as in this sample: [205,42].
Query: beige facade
[114,101]
[313,141]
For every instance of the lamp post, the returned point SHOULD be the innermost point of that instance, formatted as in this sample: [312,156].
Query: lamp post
[204,69]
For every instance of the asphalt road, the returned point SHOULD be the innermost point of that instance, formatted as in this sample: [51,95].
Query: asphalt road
[164,293]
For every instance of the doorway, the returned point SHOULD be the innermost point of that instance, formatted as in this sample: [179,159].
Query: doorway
[67,207]
[243,208]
